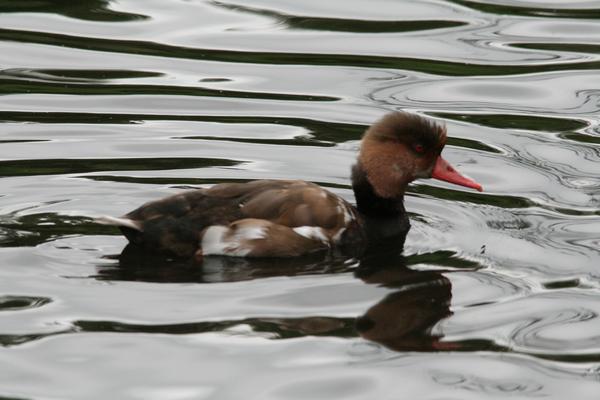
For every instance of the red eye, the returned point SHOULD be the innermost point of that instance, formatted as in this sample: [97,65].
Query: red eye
[419,148]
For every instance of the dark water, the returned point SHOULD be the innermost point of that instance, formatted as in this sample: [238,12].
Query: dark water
[105,105]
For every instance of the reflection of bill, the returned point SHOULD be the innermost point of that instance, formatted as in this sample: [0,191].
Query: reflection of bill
[404,320]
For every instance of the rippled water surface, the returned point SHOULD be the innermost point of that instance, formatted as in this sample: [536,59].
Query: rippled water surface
[107,104]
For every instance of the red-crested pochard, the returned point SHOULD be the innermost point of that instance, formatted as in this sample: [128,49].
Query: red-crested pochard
[285,218]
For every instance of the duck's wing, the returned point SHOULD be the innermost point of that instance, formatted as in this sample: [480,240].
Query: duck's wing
[268,215]
[283,218]
[297,204]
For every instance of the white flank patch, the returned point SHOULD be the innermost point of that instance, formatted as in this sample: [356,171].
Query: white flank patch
[250,232]
[212,240]
[126,222]
[218,240]
[311,232]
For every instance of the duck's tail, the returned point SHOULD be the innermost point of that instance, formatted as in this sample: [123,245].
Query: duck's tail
[120,222]
[132,230]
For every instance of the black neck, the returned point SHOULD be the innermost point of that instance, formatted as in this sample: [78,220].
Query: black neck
[369,203]
[385,219]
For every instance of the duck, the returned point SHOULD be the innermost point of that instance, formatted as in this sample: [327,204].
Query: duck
[290,218]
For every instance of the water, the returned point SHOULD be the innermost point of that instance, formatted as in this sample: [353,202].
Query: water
[106,105]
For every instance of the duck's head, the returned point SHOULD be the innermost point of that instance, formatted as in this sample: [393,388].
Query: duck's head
[402,147]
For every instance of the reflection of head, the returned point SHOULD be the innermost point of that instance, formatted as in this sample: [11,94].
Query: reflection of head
[404,319]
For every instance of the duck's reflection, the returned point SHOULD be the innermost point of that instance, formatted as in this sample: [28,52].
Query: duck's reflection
[404,320]
[135,264]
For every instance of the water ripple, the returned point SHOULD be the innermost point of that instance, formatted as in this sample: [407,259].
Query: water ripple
[14,303]
[556,11]
[88,10]
[342,25]
[431,66]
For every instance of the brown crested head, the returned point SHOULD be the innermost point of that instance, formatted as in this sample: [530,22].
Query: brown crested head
[398,149]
